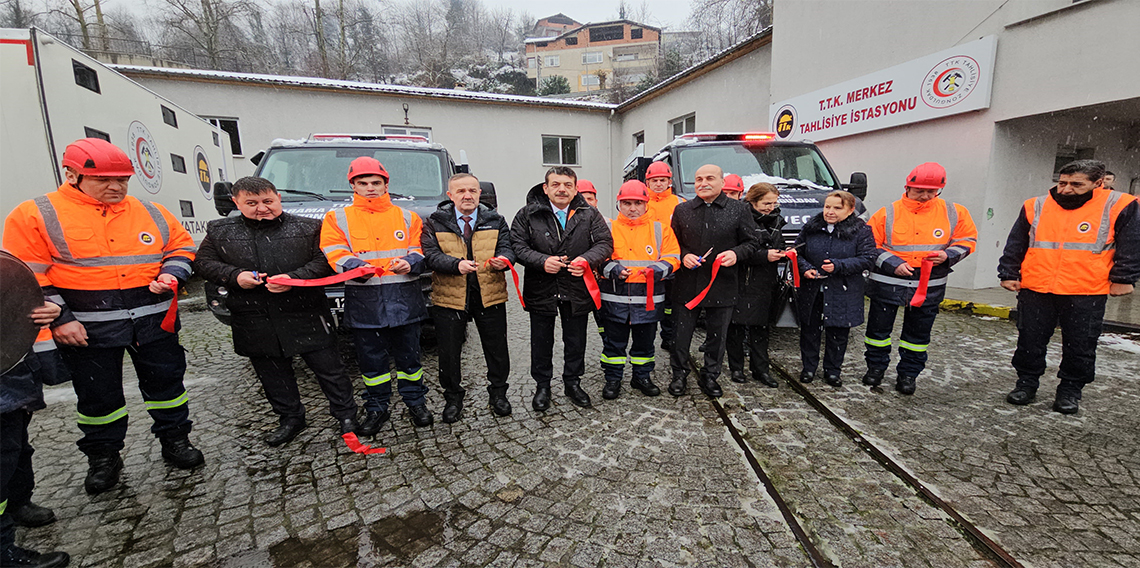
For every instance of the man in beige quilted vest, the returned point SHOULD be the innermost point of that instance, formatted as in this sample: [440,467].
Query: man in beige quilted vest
[467,245]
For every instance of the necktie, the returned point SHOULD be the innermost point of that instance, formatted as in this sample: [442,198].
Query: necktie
[561,218]
[467,227]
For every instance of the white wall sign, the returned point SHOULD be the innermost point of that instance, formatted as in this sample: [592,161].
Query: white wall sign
[949,82]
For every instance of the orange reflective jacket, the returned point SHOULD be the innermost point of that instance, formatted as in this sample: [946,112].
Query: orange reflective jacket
[641,243]
[661,206]
[912,230]
[1071,251]
[373,231]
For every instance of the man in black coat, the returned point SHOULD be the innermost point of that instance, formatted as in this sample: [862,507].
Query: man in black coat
[710,228]
[271,323]
[557,237]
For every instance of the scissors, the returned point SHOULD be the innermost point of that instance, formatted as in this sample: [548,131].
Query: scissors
[701,259]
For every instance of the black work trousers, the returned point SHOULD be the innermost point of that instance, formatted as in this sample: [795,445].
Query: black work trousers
[97,377]
[716,328]
[16,478]
[1081,319]
[914,339]
[573,346]
[451,331]
[280,383]
[756,336]
[614,343]
[834,346]
[668,322]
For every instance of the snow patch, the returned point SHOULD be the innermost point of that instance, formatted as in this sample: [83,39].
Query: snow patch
[1128,343]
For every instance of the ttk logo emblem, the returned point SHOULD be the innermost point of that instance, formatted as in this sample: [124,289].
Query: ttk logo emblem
[938,233]
[146,238]
[399,234]
[649,250]
[951,81]
[785,122]
[1084,227]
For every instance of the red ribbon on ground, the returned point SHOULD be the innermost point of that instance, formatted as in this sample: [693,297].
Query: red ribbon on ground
[648,272]
[795,268]
[171,312]
[923,281]
[334,279]
[591,282]
[354,444]
[514,274]
[692,304]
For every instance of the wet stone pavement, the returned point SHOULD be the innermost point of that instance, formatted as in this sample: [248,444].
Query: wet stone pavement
[634,482]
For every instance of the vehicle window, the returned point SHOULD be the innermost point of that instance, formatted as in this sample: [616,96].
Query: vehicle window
[324,170]
[787,162]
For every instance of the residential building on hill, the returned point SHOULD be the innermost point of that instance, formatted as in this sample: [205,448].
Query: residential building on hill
[594,56]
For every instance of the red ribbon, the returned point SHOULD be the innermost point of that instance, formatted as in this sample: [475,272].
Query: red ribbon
[692,304]
[354,444]
[171,312]
[795,268]
[514,274]
[591,282]
[923,281]
[334,279]
[648,272]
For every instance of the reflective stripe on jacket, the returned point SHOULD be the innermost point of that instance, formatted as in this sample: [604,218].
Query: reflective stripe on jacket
[638,244]
[1071,251]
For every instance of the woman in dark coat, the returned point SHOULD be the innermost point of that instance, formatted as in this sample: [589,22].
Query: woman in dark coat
[758,280]
[837,248]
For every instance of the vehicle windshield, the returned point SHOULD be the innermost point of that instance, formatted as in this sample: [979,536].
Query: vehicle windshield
[790,164]
[323,171]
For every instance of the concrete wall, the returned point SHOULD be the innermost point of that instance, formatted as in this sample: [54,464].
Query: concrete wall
[503,142]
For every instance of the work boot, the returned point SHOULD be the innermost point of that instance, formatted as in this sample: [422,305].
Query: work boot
[874,376]
[373,420]
[102,472]
[421,416]
[905,384]
[679,385]
[710,387]
[611,390]
[806,377]
[541,400]
[646,386]
[180,453]
[500,405]
[832,379]
[285,432]
[1021,396]
[1066,403]
[31,515]
[766,379]
[452,411]
[13,555]
[347,425]
[577,396]
[738,377]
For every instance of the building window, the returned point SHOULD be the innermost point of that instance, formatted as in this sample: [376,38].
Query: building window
[590,81]
[571,41]
[169,117]
[1066,154]
[530,63]
[559,151]
[229,126]
[683,125]
[407,130]
[591,57]
[85,76]
[625,57]
[89,132]
[638,139]
[178,163]
[607,33]
[552,61]
[635,34]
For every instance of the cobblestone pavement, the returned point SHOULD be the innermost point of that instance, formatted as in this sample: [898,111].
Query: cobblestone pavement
[633,482]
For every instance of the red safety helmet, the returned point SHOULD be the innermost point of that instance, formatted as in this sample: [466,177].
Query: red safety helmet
[732,182]
[97,157]
[930,175]
[586,186]
[366,166]
[633,190]
[658,170]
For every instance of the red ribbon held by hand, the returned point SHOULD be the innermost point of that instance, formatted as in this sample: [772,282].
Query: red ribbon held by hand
[649,305]
[591,282]
[923,281]
[334,279]
[692,304]
[171,312]
[795,267]
[514,275]
[354,444]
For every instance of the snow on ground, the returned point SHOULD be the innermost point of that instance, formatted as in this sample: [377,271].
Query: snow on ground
[1122,342]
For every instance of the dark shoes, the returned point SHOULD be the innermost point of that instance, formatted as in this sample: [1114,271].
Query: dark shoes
[285,432]
[578,396]
[874,377]
[1066,404]
[710,387]
[421,416]
[667,345]
[646,386]
[452,411]
[766,379]
[832,380]
[373,420]
[347,425]
[500,405]
[180,453]
[678,386]
[102,472]
[31,515]
[541,400]
[738,377]
[806,377]
[905,384]
[13,555]
[1021,396]
[611,390]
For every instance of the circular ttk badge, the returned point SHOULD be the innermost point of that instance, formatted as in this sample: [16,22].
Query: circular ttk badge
[399,234]
[1084,227]
[938,233]
[146,238]
[649,250]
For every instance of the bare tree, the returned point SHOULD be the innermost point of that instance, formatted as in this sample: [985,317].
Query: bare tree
[210,26]
[723,23]
[17,14]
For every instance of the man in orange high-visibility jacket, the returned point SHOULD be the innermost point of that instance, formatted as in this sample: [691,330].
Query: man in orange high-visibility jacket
[383,311]
[640,242]
[920,226]
[111,262]
[1065,254]
[662,201]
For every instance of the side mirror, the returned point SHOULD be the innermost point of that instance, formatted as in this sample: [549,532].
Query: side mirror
[223,192]
[487,194]
[256,158]
[858,185]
